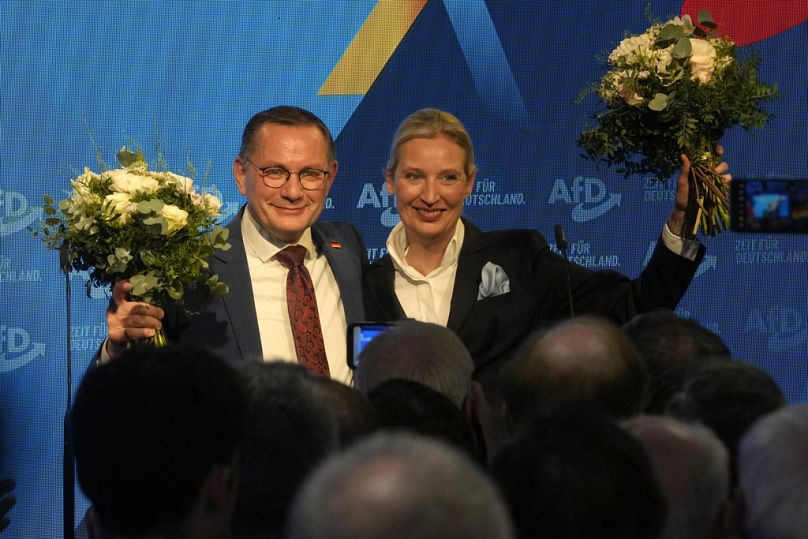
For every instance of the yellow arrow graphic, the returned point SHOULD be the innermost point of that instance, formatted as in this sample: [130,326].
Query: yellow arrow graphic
[372,47]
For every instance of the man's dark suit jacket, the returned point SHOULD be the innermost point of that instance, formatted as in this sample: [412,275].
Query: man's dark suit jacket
[493,328]
[228,324]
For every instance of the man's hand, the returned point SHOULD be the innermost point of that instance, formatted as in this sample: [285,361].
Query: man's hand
[129,320]
[676,220]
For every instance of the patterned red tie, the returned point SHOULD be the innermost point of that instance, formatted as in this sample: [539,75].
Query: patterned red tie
[302,304]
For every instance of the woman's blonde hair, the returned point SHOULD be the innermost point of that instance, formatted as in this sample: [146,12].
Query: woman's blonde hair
[431,123]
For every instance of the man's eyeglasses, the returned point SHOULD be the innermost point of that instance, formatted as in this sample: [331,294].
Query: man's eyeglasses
[310,178]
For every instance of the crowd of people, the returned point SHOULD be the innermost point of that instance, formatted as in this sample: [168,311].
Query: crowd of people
[486,411]
[178,442]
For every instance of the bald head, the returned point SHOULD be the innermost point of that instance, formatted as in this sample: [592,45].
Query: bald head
[580,345]
[399,486]
[584,357]
[429,354]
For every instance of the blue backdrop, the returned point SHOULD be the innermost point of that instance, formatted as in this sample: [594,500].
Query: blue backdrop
[115,72]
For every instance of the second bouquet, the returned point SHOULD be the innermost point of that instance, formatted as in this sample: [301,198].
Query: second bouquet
[150,227]
[674,89]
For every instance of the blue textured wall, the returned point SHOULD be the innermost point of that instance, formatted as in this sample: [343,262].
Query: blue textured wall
[510,70]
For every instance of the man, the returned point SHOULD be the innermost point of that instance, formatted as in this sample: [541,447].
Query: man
[289,429]
[571,472]
[728,397]
[672,348]
[691,467]
[419,351]
[773,475]
[434,356]
[586,357]
[285,168]
[355,415]
[396,486]
[155,434]
[402,404]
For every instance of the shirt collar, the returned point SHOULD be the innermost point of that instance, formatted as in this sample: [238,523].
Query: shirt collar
[258,242]
[398,246]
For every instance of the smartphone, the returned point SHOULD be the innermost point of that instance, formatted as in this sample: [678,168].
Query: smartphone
[360,334]
[770,206]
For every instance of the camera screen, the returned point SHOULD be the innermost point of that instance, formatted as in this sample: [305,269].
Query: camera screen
[359,335]
[770,206]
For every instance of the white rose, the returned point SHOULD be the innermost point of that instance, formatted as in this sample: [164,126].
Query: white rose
[702,60]
[85,197]
[685,22]
[632,48]
[118,206]
[82,184]
[124,181]
[186,185]
[175,217]
[212,203]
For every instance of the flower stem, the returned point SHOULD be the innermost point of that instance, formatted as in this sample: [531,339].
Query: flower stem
[158,340]
[711,198]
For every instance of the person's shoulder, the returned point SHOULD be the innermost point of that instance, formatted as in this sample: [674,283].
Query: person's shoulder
[337,233]
[340,235]
[233,226]
[383,262]
[343,228]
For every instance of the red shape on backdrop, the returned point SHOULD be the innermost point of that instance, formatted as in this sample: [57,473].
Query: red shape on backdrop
[748,21]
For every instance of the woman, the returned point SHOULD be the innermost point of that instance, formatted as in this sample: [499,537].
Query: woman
[494,288]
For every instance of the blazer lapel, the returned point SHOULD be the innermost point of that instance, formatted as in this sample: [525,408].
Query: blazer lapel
[467,279]
[239,304]
[381,290]
[346,267]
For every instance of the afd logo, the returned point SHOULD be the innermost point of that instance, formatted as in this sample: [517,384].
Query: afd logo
[783,328]
[16,348]
[379,199]
[709,262]
[15,214]
[590,196]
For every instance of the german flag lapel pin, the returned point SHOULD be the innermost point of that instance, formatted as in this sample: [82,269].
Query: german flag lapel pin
[335,244]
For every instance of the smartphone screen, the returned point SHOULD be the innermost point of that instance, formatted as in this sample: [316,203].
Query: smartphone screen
[769,206]
[360,334]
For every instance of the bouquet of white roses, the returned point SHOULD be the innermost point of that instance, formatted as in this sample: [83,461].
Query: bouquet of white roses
[133,223]
[675,89]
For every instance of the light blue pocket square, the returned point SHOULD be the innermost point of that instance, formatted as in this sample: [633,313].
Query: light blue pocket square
[494,282]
